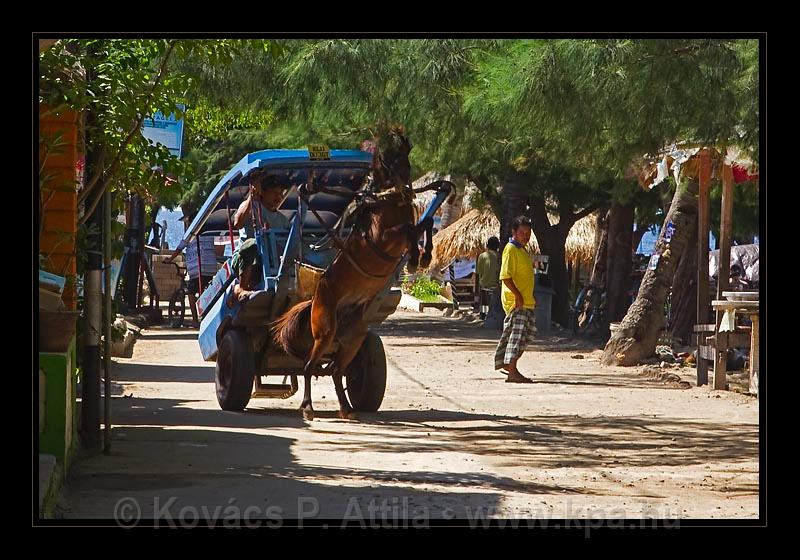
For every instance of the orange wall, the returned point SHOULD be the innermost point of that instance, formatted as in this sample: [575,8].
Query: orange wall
[60,212]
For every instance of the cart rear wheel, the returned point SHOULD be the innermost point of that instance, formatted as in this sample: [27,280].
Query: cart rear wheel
[235,370]
[366,375]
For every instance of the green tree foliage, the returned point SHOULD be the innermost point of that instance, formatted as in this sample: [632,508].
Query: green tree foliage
[122,82]
[599,104]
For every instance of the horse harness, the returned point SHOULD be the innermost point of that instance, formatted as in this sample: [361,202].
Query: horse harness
[402,197]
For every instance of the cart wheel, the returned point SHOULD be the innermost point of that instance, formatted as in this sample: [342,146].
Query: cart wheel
[177,308]
[235,370]
[366,375]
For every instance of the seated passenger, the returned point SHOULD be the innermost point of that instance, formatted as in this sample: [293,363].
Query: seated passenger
[246,266]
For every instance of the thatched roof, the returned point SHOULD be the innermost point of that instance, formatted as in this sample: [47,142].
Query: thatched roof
[466,238]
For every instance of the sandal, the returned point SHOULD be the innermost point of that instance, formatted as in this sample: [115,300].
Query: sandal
[518,379]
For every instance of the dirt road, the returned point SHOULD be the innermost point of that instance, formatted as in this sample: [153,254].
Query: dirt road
[452,440]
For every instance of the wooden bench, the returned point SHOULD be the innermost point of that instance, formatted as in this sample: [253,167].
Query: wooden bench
[706,342]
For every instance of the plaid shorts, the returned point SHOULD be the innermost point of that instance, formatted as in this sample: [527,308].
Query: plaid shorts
[517,334]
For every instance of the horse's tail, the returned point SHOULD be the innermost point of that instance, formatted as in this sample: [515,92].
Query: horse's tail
[291,331]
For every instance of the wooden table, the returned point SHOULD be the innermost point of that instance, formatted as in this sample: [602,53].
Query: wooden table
[749,308]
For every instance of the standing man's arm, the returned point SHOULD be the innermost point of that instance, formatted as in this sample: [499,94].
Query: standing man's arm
[518,300]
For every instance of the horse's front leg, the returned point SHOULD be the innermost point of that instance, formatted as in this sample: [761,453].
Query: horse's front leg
[427,226]
[413,248]
[323,330]
[410,233]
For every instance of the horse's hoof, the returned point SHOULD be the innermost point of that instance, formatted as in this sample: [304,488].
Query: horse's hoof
[308,413]
[348,415]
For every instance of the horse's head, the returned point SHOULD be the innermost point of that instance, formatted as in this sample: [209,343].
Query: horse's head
[390,165]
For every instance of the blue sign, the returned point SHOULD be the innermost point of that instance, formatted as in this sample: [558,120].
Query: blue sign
[670,231]
[167,131]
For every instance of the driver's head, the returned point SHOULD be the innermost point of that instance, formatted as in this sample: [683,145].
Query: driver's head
[269,189]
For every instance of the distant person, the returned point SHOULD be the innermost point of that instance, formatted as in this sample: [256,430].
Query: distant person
[488,269]
[157,230]
[516,275]
[268,192]
[163,242]
[736,283]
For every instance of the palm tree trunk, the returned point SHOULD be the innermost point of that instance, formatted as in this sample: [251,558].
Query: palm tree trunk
[684,294]
[638,333]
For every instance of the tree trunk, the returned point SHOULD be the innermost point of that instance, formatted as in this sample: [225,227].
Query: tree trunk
[598,275]
[638,333]
[552,240]
[134,241]
[684,293]
[619,262]
[513,203]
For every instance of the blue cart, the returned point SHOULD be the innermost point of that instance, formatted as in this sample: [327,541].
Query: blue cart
[236,336]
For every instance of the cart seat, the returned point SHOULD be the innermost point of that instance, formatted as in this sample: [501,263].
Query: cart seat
[329,219]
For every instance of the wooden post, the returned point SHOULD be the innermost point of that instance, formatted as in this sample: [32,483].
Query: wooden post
[703,212]
[107,321]
[140,291]
[726,223]
[476,291]
[754,342]
[724,268]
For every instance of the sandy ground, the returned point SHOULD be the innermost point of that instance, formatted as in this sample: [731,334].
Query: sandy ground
[452,440]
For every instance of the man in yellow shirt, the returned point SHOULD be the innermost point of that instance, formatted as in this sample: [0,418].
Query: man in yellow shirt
[516,275]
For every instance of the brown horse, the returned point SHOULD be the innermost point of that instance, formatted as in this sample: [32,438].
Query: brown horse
[382,234]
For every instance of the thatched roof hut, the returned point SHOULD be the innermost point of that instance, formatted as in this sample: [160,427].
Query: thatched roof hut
[467,237]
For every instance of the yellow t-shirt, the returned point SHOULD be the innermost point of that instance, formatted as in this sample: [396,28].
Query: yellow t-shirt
[517,265]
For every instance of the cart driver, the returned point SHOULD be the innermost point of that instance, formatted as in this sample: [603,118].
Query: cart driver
[269,192]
